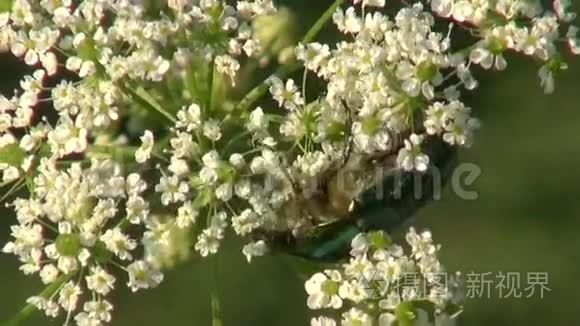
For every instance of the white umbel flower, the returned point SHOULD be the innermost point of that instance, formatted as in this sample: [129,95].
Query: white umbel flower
[100,281]
[143,276]
[119,243]
[189,119]
[371,3]
[144,152]
[356,317]
[410,157]
[287,95]
[69,296]
[322,289]
[186,215]
[208,242]
[254,249]
[322,321]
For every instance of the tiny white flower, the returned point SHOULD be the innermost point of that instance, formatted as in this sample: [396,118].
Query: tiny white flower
[100,310]
[211,159]
[547,79]
[322,289]
[246,222]
[119,243]
[100,281]
[173,190]
[69,295]
[410,157]
[322,321]
[387,319]
[228,66]
[347,22]
[353,290]
[178,167]
[208,242]
[10,174]
[237,160]
[144,152]
[135,185]
[254,249]
[243,189]
[389,269]
[359,266]
[143,276]
[137,209]
[257,120]
[287,95]
[212,130]
[359,244]
[178,5]
[356,317]
[372,3]
[224,192]
[443,8]
[190,118]
[186,215]
[49,273]
[208,176]
[183,145]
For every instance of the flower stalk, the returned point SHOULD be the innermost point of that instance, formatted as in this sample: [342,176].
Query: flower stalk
[48,292]
[286,70]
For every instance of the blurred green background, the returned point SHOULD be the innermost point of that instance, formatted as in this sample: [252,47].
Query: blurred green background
[526,219]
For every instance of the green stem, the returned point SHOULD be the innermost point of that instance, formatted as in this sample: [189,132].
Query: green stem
[15,188]
[215,310]
[234,139]
[46,293]
[304,78]
[216,319]
[210,82]
[140,95]
[285,70]
[315,29]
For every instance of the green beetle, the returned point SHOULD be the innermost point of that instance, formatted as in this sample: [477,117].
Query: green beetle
[403,194]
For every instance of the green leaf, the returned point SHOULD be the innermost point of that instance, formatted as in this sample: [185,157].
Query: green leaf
[405,313]
[12,154]
[226,172]
[48,291]
[5,5]
[203,198]
[379,239]
[100,253]
[147,100]
[87,50]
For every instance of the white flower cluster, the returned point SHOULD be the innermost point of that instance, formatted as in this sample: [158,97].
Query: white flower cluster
[380,285]
[83,218]
[382,84]
[113,47]
[522,26]
[109,181]
[208,189]
[73,232]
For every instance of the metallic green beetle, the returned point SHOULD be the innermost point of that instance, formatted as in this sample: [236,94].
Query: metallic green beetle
[403,195]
